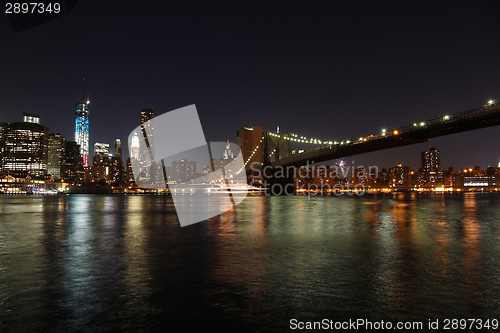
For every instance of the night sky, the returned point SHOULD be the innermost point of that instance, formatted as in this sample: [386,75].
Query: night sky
[331,70]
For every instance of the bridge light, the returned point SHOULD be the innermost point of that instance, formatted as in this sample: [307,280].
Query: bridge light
[396,132]
[415,124]
[422,124]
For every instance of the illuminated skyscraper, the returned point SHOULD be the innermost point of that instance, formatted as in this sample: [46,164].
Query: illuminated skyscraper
[118,149]
[101,152]
[82,128]
[135,147]
[146,114]
[431,160]
[25,149]
[148,134]
[57,156]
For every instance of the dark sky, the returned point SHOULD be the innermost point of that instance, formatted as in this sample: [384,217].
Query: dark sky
[332,70]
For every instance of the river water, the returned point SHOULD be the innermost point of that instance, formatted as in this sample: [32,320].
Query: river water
[107,263]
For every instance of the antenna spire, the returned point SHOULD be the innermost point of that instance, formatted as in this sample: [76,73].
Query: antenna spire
[83,89]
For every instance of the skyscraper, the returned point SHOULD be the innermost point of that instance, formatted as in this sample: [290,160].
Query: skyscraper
[431,160]
[118,149]
[248,140]
[146,114]
[101,152]
[82,128]
[73,172]
[57,156]
[135,146]
[147,133]
[183,170]
[25,149]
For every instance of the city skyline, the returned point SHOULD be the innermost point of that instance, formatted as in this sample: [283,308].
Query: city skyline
[147,114]
[325,71]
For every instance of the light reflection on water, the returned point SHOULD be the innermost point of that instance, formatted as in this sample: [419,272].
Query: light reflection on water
[100,262]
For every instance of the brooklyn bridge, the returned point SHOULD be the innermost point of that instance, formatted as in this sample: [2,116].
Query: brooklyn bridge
[276,149]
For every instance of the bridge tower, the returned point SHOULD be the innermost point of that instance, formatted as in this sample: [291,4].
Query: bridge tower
[282,143]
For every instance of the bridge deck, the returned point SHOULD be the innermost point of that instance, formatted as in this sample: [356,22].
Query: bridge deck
[483,117]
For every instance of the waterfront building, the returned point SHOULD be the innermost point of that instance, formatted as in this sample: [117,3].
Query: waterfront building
[82,130]
[25,148]
[431,159]
[481,181]
[400,176]
[183,170]
[248,139]
[73,172]
[56,163]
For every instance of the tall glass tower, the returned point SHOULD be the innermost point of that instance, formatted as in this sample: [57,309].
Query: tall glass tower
[82,130]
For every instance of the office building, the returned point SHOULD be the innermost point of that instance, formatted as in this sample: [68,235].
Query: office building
[82,130]
[431,160]
[400,176]
[118,149]
[73,172]
[56,163]
[248,141]
[31,118]
[25,149]
[101,152]
[183,170]
[147,129]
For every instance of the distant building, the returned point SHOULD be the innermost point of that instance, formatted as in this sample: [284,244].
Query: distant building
[431,172]
[31,118]
[56,165]
[146,115]
[82,130]
[73,172]
[25,149]
[226,158]
[400,176]
[481,181]
[134,146]
[431,160]
[183,170]
[383,178]
[101,152]
[119,173]
[105,167]
[118,149]
[143,154]
[366,176]
[248,140]
[129,174]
